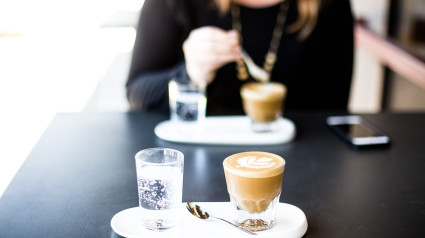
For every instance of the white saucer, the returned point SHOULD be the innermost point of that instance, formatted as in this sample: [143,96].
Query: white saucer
[225,130]
[291,222]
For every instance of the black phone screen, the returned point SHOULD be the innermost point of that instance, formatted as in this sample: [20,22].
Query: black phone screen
[355,130]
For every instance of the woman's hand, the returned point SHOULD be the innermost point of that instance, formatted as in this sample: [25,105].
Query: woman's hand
[207,49]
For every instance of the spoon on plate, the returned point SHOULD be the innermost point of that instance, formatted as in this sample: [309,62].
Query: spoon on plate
[254,70]
[199,213]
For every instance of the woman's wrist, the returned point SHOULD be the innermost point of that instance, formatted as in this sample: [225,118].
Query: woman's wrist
[202,79]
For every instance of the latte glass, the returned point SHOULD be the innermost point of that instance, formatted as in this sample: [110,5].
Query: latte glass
[254,183]
[263,103]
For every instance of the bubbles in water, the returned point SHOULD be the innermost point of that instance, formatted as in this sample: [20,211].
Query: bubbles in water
[156,194]
[187,111]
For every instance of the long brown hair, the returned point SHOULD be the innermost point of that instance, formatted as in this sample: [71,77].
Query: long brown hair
[307,17]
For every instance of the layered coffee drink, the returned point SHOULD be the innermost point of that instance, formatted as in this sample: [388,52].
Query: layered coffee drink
[254,182]
[263,102]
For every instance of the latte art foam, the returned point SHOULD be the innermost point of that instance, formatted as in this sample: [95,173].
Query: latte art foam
[256,162]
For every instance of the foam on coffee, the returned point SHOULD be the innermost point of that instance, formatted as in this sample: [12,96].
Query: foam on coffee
[263,91]
[254,164]
[254,179]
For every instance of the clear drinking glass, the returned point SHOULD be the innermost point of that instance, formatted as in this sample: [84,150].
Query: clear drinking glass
[254,183]
[160,186]
[263,103]
[187,102]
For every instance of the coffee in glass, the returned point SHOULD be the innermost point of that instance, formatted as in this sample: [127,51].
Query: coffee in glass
[263,103]
[254,182]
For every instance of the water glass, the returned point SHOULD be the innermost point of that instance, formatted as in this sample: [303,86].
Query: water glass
[160,186]
[187,102]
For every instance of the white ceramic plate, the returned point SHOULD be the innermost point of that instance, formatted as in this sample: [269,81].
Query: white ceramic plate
[225,130]
[291,222]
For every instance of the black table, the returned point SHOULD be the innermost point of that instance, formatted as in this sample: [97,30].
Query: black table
[81,173]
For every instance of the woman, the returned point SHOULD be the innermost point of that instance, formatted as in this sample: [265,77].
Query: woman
[202,40]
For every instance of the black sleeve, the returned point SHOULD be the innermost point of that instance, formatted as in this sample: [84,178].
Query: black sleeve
[157,56]
[339,57]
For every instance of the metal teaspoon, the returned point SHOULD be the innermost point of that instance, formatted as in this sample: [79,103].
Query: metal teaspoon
[199,213]
[254,70]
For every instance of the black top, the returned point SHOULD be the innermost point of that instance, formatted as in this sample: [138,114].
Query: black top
[317,71]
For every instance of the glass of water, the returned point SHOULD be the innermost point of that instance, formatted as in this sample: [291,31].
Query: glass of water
[160,185]
[187,102]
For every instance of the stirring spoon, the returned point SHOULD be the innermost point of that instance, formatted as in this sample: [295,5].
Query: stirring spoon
[253,69]
[199,213]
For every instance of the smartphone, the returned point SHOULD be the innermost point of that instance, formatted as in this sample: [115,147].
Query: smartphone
[357,131]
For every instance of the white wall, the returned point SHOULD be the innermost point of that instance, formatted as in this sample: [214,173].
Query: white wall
[367,85]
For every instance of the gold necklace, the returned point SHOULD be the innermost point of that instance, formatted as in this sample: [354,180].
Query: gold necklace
[271,56]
